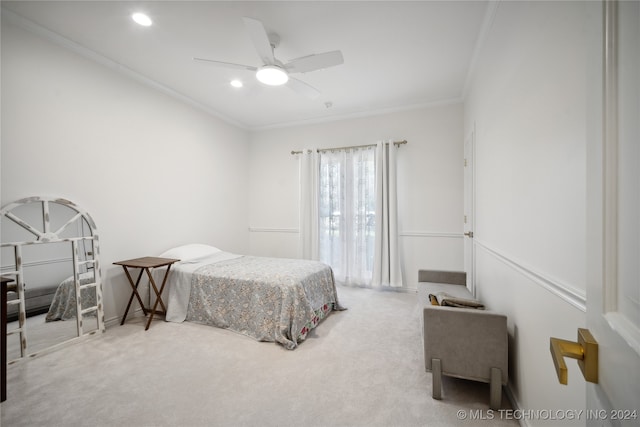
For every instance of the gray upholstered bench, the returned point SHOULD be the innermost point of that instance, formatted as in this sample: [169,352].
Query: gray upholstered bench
[462,342]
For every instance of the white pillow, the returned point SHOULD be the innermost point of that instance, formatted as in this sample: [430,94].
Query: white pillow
[191,252]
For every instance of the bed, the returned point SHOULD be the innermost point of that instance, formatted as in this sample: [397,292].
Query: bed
[63,305]
[269,299]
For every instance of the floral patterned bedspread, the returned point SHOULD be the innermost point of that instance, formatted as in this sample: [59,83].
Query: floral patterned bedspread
[63,306]
[269,299]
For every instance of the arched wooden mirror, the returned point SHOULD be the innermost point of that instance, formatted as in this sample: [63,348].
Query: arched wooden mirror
[50,250]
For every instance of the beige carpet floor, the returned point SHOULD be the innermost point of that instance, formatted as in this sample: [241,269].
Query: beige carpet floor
[360,367]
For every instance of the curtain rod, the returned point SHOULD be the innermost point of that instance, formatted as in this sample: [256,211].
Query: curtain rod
[319,150]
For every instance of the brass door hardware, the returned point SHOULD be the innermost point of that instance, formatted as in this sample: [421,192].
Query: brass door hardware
[469,234]
[585,350]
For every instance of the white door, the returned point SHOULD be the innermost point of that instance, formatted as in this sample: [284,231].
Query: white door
[469,192]
[613,211]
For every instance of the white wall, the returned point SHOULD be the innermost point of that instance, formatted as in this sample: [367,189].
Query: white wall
[429,179]
[527,101]
[151,171]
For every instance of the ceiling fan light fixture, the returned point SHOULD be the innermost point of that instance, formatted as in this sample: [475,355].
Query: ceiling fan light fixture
[142,19]
[272,75]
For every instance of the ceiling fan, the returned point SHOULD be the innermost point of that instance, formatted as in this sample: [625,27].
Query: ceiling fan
[273,72]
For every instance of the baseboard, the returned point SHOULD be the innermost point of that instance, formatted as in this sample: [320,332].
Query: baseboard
[515,405]
[115,320]
[400,289]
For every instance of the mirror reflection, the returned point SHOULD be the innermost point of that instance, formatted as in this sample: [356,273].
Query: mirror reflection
[50,250]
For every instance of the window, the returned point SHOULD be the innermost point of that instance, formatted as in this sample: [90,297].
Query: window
[346,210]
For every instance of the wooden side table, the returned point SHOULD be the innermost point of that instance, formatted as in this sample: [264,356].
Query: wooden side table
[146,264]
[4,282]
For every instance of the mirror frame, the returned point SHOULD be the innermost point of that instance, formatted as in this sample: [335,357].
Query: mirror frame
[46,235]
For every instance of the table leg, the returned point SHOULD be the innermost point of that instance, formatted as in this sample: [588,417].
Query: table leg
[155,289]
[134,293]
[158,295]
[3,397]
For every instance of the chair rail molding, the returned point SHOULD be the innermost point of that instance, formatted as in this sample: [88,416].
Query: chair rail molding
[37,263]
[273,230]
[568,293]
[430,234]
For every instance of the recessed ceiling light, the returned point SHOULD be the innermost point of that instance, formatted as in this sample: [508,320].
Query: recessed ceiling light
[142,19]
[236,83]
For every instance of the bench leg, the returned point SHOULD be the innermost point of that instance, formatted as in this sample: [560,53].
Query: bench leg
[495,389]
[436,374]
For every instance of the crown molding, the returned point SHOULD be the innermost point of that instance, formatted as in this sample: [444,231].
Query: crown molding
[87,53]
[487,23]
[359,114]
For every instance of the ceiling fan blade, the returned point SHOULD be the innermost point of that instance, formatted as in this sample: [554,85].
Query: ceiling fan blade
[226,64]
[303,88]
[260,40]
[315,62]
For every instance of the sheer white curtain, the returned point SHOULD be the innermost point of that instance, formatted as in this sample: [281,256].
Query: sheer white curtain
[348,213]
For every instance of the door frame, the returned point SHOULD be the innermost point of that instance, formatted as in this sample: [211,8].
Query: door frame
[619,379]
[469,208]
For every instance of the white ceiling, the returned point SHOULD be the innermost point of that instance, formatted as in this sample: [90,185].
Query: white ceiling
[397,54]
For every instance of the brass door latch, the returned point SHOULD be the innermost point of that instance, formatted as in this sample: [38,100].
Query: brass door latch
[585,350]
